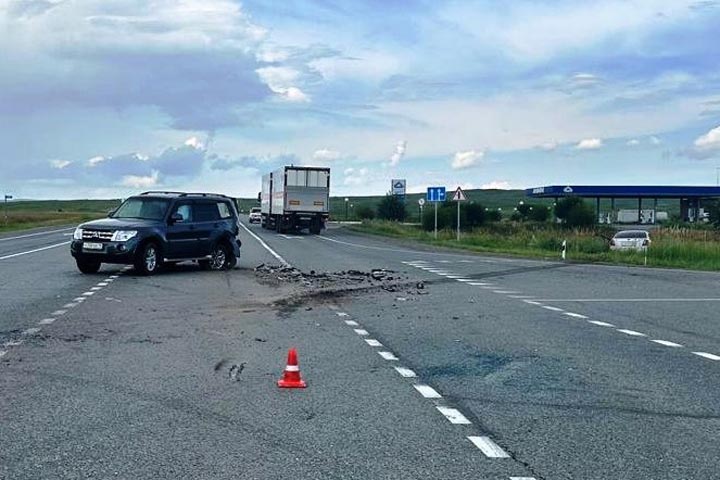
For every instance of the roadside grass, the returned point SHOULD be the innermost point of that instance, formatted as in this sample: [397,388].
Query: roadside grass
[22,215]
[671,247]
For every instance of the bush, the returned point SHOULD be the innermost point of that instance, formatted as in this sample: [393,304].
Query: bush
[365,212]
[392,208]
[573,212]
[472,215]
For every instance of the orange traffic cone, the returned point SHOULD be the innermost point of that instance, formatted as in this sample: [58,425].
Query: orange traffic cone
[291,376]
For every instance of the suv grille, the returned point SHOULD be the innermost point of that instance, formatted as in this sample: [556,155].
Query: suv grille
[97,235]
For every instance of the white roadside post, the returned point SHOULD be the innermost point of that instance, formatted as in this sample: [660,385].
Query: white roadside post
[458,197]
[564,249]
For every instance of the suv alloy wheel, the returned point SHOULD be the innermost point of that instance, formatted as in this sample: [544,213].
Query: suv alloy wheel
[148,260]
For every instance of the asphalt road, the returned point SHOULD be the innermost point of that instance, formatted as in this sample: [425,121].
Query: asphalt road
[451,366]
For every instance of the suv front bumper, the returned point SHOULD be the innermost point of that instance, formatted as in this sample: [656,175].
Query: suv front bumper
[112,252]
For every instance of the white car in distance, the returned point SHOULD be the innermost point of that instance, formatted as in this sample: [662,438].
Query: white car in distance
[637,240]
[255,216]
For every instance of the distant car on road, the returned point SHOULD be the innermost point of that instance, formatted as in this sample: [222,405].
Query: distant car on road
[255,215]
[157,228]
[630,240]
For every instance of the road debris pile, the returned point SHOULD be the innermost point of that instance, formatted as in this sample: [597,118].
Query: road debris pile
[385,279]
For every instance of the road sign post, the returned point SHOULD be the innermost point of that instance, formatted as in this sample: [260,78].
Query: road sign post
[7,197]
[458,197]
[421,204]
[436,195]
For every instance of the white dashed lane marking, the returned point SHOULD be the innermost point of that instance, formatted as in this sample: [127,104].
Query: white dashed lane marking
[632,333]
[453,415]
[574,315]
[88,294]
[79,299]
[342,314]
[102,284]
[406,372]
[709,356]
[427,391]
[361,331]
[70,305]
[666,343]
[46,321]
[552,309]
[57,313]
[602,324]
[489,448]
[352,323]
[532,302]
[388,355]
[373,343]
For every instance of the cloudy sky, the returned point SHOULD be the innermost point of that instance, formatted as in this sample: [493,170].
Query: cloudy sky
[102,98]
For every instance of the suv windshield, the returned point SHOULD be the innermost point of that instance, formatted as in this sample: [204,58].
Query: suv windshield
[144,208]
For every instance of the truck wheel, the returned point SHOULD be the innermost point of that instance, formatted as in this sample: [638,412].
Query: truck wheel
[279,227]
[315,227]
[87,266]
[147,261]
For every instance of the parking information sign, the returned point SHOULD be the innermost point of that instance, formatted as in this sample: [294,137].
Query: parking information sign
[436,194]
[398,187]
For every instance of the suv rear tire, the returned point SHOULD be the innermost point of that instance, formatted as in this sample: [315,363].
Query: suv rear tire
[147,261]
[87,266]
[221,258]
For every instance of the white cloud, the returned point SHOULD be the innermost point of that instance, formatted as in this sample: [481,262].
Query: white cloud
[355,176]
[95,161]
[548,146]
[326,155]
[589,144]
[496,185]
[655,140]
[139,181]
[282,81]
[194,143]
[466,159]
[583,80]
[709,142]
[633,143]
[399,153]
[59,164]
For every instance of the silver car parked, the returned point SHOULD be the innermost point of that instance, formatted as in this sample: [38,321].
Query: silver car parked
[630,240]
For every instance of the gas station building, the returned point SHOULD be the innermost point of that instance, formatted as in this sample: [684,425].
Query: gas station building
[690,198]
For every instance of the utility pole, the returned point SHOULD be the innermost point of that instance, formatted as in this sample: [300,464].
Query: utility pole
[346,208]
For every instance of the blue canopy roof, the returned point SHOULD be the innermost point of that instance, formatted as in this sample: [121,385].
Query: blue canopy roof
[622,191]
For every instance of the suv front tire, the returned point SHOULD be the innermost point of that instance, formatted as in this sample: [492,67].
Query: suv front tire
[148,259]
[87,266]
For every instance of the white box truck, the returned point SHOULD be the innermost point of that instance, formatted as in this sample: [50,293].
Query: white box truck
[293,198]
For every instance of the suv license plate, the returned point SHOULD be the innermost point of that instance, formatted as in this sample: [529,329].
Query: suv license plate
[92,246]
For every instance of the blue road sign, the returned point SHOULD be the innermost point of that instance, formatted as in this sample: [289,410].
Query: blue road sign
[436,194]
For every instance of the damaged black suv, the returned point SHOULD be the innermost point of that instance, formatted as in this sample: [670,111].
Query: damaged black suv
[161,228]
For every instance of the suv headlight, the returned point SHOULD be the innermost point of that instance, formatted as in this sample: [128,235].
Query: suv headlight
[77,235]
[123,235]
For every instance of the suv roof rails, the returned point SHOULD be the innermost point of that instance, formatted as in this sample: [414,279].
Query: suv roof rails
[192,194]
[155,192]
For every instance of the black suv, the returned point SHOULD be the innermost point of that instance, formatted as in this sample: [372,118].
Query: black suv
[157,228]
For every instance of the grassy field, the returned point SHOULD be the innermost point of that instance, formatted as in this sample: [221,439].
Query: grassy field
[671,247]
[22,215]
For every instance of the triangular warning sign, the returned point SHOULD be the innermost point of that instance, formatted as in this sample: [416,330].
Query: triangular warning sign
[459,195]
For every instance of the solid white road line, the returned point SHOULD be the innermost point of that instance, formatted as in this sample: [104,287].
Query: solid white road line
[575,315]
[612,300]
[49,232]
[666,343]
[453,415]
[520,297]
[360,331]
[707,355]
[373,343]
[602,324]
[34,250]
[388,355]
[552,309]
[489,448]
[632,333]
[46,321]
[265,245]
[427,391]
[405,372]
[352,323]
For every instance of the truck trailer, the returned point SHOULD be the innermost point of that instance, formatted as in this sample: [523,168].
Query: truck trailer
[293,198]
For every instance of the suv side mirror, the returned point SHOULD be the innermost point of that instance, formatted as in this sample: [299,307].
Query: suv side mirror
[176,218]
[111,212]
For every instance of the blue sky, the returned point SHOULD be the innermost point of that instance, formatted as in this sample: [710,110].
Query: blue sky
[102,98]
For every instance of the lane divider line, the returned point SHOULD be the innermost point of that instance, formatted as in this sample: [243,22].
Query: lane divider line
[34,250]
[667,344]
[373,343]
[57,313]
[552,309]
[427,391]
[453,415]
[575,315]
[361,332]
[405,372]
[489,448]
[388,356]
[265,245]
[602,324]
[46,321]
[37,234]
[709,356]
[352,323]
[632,333]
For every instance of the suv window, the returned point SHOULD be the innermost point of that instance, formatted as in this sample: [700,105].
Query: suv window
[184,209]
[224,210]
[206,212]
[145,208]
[255,210]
